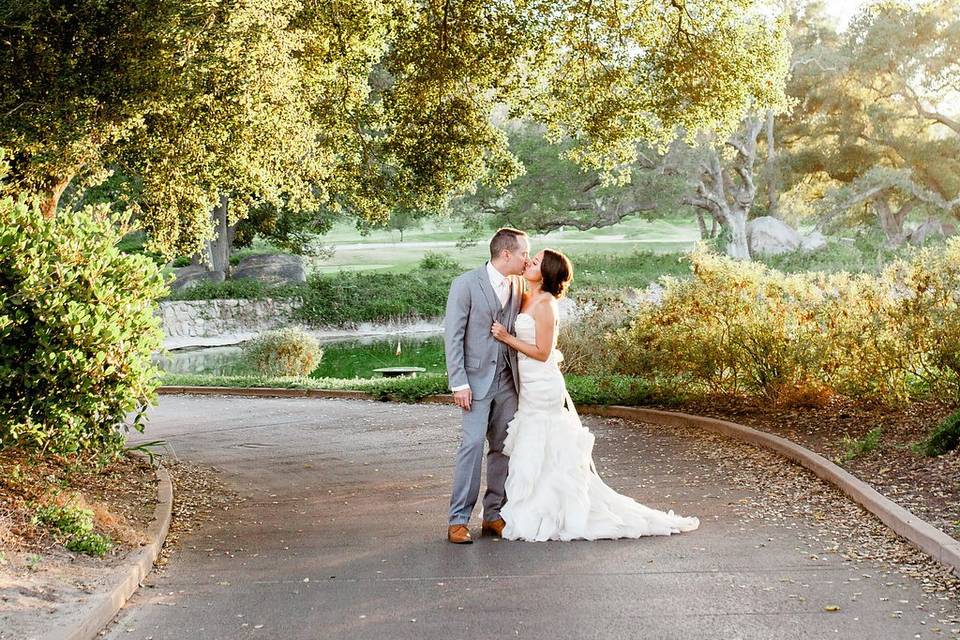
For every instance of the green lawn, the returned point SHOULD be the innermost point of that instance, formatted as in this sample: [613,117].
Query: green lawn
[381,251]
[603,390]
[358,360]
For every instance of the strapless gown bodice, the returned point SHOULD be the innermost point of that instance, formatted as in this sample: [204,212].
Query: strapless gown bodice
[541,383]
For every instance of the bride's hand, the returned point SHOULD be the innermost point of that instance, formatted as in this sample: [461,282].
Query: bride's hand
[499,331]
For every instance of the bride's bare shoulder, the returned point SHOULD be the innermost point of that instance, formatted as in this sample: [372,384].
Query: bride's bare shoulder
[545,305]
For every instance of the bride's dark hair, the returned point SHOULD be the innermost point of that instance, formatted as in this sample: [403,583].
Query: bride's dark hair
[556,271]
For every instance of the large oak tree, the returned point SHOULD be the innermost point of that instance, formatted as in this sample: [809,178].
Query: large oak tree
[357,105]
[873,113]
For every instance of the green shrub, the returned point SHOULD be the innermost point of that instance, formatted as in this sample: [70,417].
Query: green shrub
[585,341]
[76,525]
[405,389]
[734,328]
[740,328]
[244,289]
[350,298]
[609,389]
[92,544]
[434,260]
[946,437]
[77,330]
[346,298]
[856,447]
[287,352]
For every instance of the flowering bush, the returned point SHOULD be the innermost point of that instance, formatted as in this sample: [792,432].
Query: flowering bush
[77,330]
[740,328]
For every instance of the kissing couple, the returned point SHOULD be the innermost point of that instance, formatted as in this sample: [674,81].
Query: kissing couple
[503,366]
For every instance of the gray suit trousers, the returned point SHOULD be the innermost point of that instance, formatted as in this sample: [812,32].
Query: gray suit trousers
[486,420]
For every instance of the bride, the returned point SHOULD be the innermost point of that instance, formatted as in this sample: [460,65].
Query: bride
[553,490]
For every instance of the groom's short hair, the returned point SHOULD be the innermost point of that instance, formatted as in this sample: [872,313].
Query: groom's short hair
[505,239]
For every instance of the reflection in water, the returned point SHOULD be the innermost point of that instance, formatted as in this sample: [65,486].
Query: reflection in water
[218,361]
[226,361]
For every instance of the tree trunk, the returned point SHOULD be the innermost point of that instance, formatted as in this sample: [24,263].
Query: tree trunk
[773,195]
[216,254]
[48,206]
[891,222]
[219,247]
[728,192]
[737,246]
[702,223]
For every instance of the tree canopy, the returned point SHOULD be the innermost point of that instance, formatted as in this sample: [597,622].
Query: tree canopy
[856,124]
[357,105]
[554,192]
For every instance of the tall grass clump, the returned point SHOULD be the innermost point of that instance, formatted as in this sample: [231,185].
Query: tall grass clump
[286,352]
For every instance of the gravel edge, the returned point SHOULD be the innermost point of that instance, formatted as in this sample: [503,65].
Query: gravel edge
[935,543]
[103,607]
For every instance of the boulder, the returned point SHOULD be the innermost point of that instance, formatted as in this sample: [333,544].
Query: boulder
[768,236]
[193,275]
[278,268]
[928,229]
[813,241]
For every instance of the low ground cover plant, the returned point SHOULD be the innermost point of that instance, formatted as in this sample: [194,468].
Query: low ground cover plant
[75,526]
[945,438]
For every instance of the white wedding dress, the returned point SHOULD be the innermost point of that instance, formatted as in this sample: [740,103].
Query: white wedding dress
[553,490]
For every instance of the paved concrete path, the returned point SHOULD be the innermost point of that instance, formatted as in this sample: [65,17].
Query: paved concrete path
[341,535]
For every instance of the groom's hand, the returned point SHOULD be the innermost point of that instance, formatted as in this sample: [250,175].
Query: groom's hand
[463,399]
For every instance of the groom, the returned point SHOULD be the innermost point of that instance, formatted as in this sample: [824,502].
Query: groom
[483,378]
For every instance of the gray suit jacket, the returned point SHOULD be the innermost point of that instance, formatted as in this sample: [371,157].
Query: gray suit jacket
[471,350]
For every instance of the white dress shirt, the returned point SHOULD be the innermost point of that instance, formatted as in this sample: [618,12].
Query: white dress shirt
[501,286]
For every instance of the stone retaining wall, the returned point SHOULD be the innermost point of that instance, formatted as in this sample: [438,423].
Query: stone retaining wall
[184,319]
[209,323]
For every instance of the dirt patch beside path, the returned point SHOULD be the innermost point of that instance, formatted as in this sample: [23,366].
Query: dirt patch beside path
[927,486]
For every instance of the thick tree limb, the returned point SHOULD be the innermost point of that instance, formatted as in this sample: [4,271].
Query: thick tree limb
[603,220]
[930,114]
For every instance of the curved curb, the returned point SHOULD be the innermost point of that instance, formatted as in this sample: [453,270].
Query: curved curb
[103,607]
[935,543]
[264,392]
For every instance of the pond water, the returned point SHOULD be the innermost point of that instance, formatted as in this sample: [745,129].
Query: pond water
[220,361]
[354,358]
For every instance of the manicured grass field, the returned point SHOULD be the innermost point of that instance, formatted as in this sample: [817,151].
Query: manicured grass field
[381,251]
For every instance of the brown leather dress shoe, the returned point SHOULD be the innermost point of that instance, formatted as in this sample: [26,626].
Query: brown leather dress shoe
[459,534]
[493,527]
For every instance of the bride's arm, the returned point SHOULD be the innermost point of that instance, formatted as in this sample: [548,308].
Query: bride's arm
[545,317]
